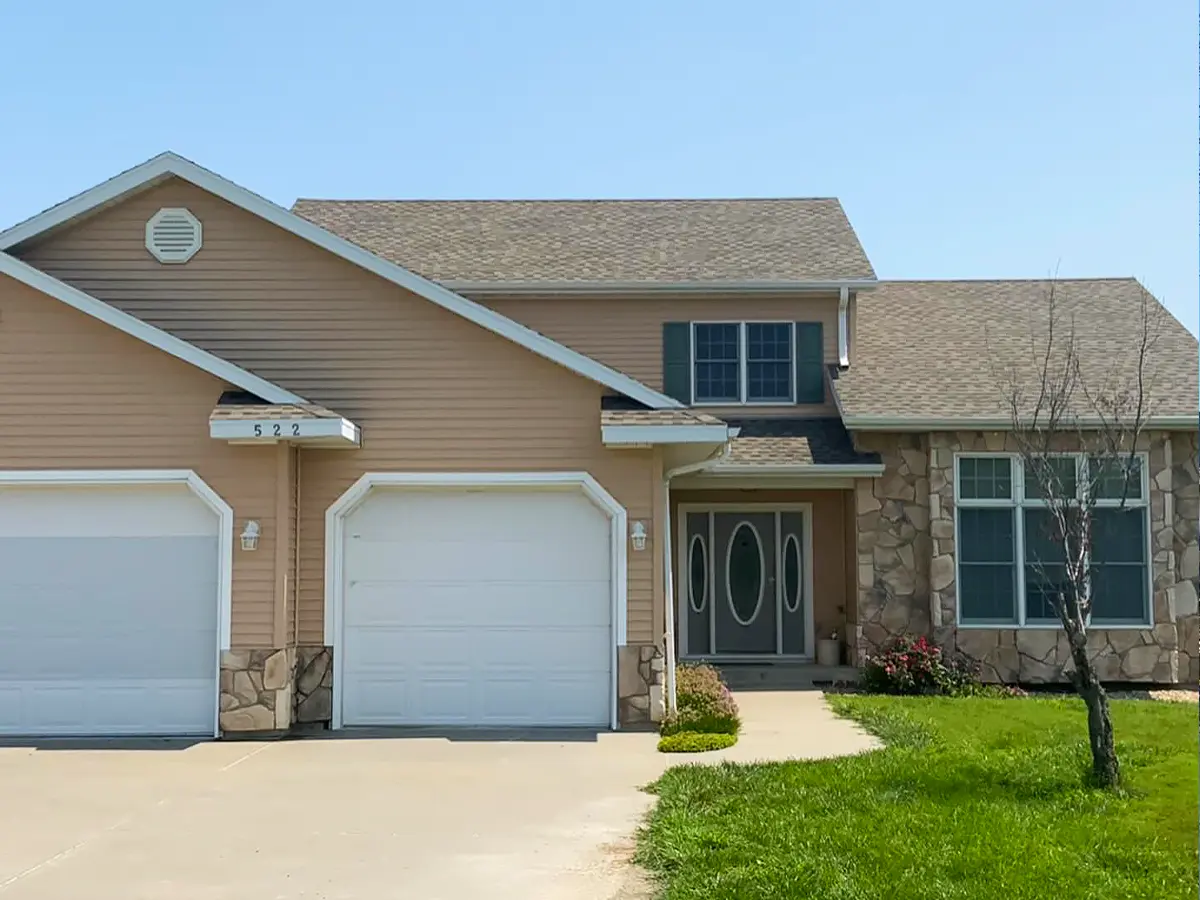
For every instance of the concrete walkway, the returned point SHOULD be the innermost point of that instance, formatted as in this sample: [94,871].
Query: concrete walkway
[533,815]
[782,725]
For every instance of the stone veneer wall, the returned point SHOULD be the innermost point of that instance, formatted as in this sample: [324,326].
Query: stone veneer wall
[314,685]
[906,565]
[256,690]
[640,669]
[1185,550]
[892,543]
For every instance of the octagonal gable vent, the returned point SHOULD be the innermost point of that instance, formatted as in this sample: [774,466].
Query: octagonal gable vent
[173,235]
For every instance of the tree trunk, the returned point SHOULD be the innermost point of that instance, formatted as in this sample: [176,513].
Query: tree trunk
[1106,769]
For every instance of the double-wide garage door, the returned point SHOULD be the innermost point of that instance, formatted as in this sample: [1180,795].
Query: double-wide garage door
[108,610]
[488,607]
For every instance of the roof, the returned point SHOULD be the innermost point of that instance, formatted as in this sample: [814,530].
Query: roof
[656,417]
[528,242]
[143,331]
[793,442]
[167,165]
[938,351]
[225,412]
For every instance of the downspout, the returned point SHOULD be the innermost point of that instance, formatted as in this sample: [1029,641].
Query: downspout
[669,604]
[844,328]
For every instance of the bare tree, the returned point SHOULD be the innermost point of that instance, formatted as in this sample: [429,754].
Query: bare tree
[1093,406]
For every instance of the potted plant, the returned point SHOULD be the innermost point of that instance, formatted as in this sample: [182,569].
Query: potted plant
[829,651]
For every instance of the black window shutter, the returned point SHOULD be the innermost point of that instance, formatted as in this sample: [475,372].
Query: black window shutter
[810,363]
[676,361]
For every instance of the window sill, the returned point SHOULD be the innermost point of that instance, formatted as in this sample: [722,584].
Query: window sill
[730,403]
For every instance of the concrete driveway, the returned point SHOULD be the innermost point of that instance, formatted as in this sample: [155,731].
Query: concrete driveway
[549,815]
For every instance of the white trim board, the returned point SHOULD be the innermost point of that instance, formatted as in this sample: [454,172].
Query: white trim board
[893,423]
[170,164]
[584,288]
[144,331]
[640,435]
[335,525]
[197,486]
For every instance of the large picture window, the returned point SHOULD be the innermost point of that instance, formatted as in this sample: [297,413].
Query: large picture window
[743,362]
[1010,567]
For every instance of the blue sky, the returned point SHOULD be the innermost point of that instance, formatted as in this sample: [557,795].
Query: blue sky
[965,139]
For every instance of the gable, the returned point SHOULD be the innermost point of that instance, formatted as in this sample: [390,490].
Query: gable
[54,290]
[168,166]
[304,318]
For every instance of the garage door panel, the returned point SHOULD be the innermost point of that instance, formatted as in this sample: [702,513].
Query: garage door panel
[106,707]
[478,606]
[111,610]
[408,516]
[498,560]
[469,608]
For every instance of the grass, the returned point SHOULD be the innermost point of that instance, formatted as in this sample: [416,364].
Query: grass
[972,798]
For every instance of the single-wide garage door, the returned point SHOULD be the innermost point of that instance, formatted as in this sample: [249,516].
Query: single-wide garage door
[477,607]
[109,597]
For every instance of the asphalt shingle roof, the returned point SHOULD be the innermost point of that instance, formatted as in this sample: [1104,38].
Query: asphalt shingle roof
[942,349]
[656,417]
[649,241]
[776,442]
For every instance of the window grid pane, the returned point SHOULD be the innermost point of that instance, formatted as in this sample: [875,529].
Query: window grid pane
[1055,476]
[1116,479]
[716,355]
[985,478]
[769,361]
[987,593]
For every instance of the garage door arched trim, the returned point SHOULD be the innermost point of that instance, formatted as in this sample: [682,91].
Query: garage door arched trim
[195,484]
[335,518]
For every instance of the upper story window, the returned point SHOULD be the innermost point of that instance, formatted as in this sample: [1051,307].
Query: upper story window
[726,363]
[1011,568]
[743,362]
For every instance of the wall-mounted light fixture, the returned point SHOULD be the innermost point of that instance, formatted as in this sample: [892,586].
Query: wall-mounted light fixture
[250,535]
[637,534]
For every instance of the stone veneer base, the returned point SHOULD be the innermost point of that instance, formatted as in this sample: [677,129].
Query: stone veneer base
[256,690]
[640,672]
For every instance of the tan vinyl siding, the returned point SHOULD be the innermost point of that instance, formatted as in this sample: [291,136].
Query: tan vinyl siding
[626,332]
[831,599]
[78,394]
[431,391]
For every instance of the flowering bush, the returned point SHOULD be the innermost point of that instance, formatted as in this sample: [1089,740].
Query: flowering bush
[703,703]
[918,666]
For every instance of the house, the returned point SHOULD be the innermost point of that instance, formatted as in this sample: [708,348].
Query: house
[472,463]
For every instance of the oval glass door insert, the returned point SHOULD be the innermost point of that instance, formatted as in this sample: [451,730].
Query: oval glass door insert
[745,573]
[697,573]
[792,573]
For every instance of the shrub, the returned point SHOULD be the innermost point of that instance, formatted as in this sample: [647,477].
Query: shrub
[908,666]
[703,703]
[694,742]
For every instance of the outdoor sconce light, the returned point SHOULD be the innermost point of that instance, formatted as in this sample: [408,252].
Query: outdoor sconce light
[250,535]
[638,535]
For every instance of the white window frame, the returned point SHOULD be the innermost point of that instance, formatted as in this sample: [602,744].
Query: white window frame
[743,363]
[1018,502]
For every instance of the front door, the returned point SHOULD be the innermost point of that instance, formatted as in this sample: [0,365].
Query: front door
[743,583]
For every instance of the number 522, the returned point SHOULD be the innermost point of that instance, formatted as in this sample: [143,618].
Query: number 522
[276,430]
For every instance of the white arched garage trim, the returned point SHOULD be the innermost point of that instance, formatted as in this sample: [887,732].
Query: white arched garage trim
[197,486]
[335,518]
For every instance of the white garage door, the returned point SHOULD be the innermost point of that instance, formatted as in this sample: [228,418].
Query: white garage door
[477,608]
[109,600]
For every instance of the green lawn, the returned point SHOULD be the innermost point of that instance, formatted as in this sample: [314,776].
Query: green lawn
[972,798]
